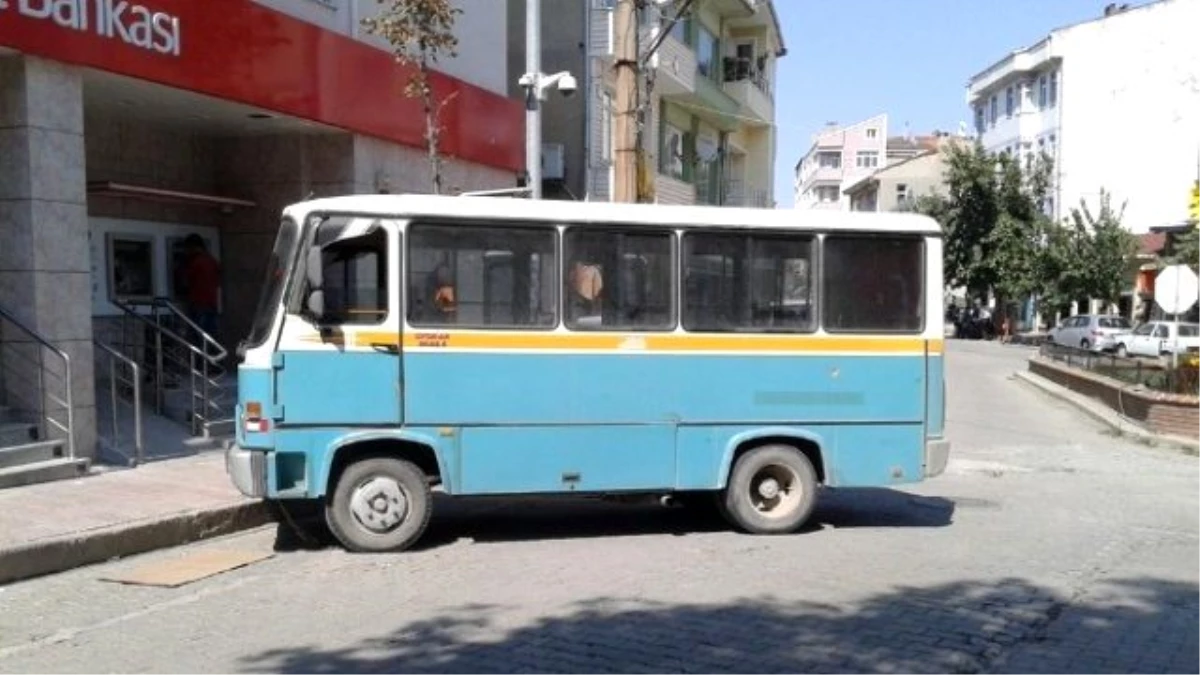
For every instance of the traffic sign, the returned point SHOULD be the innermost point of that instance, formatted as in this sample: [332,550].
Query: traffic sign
[1176,289]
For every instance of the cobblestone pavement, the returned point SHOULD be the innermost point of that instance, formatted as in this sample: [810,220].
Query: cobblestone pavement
[1048,546]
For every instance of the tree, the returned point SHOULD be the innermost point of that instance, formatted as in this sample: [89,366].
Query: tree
[1107,250]
[420,32]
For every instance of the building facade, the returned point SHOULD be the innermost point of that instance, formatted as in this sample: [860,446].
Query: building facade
[838,157]
[708,111]
[126,127]
[1114,102]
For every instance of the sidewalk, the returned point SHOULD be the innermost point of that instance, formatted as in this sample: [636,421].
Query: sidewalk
[114,512]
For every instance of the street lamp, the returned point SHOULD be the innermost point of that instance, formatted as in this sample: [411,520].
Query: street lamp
[536,84]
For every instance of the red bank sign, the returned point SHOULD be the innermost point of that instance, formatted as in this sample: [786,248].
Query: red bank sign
[239,50]
[130,23]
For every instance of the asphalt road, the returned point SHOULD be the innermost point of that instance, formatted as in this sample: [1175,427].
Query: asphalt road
[1049,545]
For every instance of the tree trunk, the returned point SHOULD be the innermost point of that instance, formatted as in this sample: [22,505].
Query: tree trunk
[431,129]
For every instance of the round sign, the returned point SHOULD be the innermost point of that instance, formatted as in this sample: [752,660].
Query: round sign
[1176,289]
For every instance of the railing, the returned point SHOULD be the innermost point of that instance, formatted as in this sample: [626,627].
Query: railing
[737,69]
[132,386]
[734,193]
[171,357]
[11,360]
[1150,374]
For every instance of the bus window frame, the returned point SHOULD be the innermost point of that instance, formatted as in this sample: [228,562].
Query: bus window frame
[922,279]
[485,223]
[816,299]
[671,230]
[293,298]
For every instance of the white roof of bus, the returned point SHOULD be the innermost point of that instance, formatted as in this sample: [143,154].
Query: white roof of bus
[561,211]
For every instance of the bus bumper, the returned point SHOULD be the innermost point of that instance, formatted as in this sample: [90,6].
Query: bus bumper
[248,470]
[937,454]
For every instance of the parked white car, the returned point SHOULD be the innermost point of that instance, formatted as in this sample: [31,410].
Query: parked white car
[1156,338]
[1094,332]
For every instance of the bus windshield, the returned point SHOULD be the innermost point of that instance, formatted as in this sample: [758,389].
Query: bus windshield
[272,288]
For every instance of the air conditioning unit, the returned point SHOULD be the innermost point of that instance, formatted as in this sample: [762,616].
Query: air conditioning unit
[554,161]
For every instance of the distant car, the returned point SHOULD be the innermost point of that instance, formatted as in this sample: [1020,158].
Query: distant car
[1093,332]
[1156,338]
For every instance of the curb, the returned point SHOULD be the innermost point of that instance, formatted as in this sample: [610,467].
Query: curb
[1107,416]
[59,554]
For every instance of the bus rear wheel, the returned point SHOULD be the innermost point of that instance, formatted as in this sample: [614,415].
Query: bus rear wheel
[379,504]
[771,490]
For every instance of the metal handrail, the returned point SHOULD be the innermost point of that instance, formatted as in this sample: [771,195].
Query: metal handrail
[44,417]
[135,379]
[203,365]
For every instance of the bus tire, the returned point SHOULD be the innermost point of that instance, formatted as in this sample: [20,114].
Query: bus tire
[771,490]
[379,504]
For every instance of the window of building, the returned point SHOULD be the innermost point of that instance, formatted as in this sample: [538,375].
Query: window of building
[1042,92]
[1053,89]
[830,160]
[901,193]
[619,280]
[872,283]
[752,282]
[354,274]
[483,277]
[872,132]
[979,118]
[682,29]
[866,159]
[707,50]
[1008,102]
[827,194]
[993,106]
[671,153]
[606,108]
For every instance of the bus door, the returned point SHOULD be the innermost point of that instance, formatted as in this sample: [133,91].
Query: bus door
[339,357]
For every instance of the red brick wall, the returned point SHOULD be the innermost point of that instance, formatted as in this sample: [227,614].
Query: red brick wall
[1159,412]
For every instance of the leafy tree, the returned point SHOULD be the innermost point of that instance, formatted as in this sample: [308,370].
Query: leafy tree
[1186,248]
[420,32]
[1107,249]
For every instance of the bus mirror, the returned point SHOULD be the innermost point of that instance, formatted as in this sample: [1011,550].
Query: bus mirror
[315,303]
[313,268]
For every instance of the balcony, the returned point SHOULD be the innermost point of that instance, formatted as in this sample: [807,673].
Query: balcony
[732,193]
[749,86]
[676,67]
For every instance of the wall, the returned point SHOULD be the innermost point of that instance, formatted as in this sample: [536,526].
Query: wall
[922,176]
[1161,413]
[482,43]
[1131,116]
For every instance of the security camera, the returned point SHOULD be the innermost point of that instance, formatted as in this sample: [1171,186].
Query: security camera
[567,85]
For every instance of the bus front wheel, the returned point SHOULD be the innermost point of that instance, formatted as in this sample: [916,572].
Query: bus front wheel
[771,490]
[379,504]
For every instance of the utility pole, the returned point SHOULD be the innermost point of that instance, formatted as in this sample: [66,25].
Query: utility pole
[625,150]
[533,103]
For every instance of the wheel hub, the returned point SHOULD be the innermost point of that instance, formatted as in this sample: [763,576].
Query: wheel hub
[769,488]
[379,504]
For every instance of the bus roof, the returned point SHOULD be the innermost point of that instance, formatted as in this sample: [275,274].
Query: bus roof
[562,211]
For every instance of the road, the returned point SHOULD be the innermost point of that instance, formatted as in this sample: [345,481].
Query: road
[1049,545]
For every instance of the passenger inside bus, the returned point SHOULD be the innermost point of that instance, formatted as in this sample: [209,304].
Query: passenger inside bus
[585,303]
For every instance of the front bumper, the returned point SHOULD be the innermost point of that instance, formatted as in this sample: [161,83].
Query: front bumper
[937,455]
[248,470]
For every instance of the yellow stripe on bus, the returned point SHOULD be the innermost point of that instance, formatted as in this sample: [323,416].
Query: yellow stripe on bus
[633,342]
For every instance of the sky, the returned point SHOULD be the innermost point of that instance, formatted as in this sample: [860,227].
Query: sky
[848,60]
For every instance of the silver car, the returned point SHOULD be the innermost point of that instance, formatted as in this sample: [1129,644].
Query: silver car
[1094,332]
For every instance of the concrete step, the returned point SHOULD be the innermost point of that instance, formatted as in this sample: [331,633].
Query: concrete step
[30,453]
[17,433]
[42,472]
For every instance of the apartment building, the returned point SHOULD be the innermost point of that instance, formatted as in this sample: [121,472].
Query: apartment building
[838,157]
[122,133]
[708,115]
[916,168]
[1113,101]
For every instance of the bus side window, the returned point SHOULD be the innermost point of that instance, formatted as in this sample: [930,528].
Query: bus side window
[619,280]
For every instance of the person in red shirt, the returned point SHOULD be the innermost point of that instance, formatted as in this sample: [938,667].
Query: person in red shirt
[202,273]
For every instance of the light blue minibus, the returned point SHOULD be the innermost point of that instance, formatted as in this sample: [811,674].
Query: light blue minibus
[483,346]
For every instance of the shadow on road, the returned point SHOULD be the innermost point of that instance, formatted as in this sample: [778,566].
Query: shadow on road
[1006,626]
[495,520]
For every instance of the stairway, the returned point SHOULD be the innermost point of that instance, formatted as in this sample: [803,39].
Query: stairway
[26,459]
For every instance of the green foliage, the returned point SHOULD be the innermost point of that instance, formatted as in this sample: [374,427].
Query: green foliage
[998,241]
[420,32]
